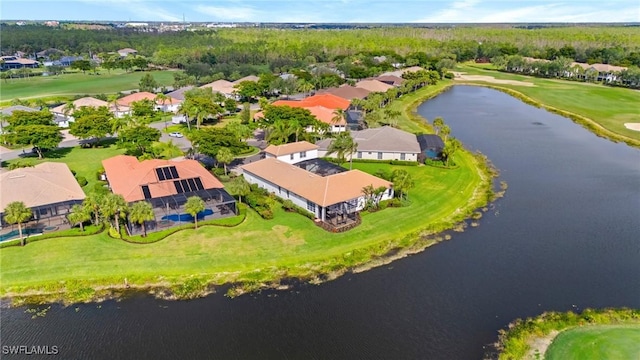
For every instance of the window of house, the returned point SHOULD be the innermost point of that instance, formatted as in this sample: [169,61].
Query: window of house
[303,154]
[359,154]
[311,206]
[291,156]
[379,156]
[402,156]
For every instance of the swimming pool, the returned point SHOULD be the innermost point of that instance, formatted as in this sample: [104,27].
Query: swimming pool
[16,233]
[188,217]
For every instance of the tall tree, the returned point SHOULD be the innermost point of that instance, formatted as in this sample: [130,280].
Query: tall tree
[342,146]
[239,186]
[138,138]
[17,213]
[147,83]
[79,215]
[140,213]
[402,182]
[445,131]
[438,123]
[450,148]
[225,156]
[114,207]
[194,206]
[92,204]
[92,123]
[41,137]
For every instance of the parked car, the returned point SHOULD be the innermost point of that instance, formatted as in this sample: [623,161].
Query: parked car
[176,134]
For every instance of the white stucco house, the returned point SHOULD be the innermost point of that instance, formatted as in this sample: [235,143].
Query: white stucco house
[292,153]
[333,199]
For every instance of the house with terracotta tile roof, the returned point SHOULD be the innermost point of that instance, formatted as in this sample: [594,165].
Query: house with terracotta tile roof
[49,189]
[61,111]
[166,185]
[329,101]
[169,105]
[333,197]
[383,143]
[293,152]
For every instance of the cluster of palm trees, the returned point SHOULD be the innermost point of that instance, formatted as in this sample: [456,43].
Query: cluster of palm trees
[451,145]
[109,209]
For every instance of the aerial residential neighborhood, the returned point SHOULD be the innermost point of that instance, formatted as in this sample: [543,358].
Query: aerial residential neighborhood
[311,180]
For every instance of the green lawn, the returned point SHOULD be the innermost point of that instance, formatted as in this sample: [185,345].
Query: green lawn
[290,242]
[611,107]
[85,162]
[77,84]
[609,342]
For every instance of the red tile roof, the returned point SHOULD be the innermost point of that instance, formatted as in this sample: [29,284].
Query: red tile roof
[127,100]
[329,101]
[291,148]
[126,175]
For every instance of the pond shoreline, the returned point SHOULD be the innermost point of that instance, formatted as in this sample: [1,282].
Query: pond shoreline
[378,254]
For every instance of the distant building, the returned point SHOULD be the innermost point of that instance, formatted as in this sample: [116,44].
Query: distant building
[127,51]
[14,62]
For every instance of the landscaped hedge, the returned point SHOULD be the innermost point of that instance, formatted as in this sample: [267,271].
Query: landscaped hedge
[391,162]
[288,205]
[159,235]
[259,200]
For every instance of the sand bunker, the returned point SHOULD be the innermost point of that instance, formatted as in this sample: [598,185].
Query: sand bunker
[489,79]
[632,126]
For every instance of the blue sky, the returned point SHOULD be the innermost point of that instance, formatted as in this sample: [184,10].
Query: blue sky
[389,11]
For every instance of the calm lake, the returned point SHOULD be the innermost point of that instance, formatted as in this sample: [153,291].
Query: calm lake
[566,236]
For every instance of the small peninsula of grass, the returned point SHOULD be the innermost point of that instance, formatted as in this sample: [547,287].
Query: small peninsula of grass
[591,334]
[601,109]
[256,252]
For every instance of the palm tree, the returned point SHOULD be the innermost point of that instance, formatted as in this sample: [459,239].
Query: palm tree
[305,87]
[402,182]
[112,99]
[225,156]
[437,124]
[240,187]
[162,99]
[78,215]
[342,145]
[450,148]
[92,203]
[279,132]
[16,213]
[445,130]
[140,212]
[188,110]
[166,150]
[338,116]
[114,206]
[69,108]
[193,206]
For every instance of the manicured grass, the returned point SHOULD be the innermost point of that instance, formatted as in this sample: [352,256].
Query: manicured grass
[85,162]
[77,83]
[596,342]
[257,250]
[290,242]
[610,107]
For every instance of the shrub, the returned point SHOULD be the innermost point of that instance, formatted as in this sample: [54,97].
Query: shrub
[73,172]
[99,174]
[100,187]
[288,205]
[113,232]
[82,180]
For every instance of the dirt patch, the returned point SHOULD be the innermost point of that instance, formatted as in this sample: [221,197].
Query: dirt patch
[490,79]
[632,126]
[539,345]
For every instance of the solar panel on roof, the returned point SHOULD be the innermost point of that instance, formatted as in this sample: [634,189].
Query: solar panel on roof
[160,174]
[179,189]
[192,184]
[167,173]
[174,172]
[185,185]
[146,192]
[199,185]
